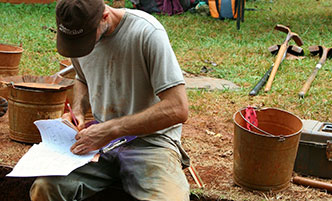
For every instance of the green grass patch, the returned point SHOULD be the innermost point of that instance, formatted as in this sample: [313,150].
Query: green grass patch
[200,41]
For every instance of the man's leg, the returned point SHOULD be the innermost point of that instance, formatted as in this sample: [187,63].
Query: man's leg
[150,172]
[78,185]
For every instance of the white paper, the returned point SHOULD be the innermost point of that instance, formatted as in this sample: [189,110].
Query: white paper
[52,156]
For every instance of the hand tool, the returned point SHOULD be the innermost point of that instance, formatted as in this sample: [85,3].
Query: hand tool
[324,53]
[282,52]
[292,49]
[312,183]
[62,73]
[195,176]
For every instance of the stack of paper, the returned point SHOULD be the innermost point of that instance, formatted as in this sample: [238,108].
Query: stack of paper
[52,156]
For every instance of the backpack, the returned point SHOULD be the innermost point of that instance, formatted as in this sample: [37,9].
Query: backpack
[169,7]
[223,9]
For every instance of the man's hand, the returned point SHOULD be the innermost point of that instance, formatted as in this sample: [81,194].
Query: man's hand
[171,110]
[80,104]
[92,138]
[79,118]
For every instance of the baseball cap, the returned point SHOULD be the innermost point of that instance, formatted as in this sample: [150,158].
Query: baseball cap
[77,22]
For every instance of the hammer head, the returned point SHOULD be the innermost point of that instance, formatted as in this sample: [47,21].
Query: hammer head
[282,28]
[292,49]
[319,49]
[293,35]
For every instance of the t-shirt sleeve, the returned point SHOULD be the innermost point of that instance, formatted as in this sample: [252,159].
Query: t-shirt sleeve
[79,73]
[163,67]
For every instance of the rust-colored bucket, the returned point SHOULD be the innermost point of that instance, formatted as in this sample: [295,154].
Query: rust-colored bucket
[31,98]
[27,106]
[3,90]
[10,57]
[264,157]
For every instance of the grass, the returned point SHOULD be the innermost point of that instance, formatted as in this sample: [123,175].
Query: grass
[241,56]
[23,24]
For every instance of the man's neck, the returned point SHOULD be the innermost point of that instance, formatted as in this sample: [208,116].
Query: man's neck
[115,16]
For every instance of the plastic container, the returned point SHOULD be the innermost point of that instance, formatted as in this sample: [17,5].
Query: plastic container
[314,156]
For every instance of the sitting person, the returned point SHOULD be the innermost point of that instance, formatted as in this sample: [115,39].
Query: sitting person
[127,71]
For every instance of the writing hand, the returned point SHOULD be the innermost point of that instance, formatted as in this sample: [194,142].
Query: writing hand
[90,139]
[79,118]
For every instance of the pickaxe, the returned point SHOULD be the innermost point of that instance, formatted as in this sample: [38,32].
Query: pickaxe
[282,52]
[292,49]
[324,53]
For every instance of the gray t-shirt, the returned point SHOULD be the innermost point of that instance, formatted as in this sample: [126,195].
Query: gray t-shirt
[127,69]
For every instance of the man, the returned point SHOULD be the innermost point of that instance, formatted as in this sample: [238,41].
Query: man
[128,72]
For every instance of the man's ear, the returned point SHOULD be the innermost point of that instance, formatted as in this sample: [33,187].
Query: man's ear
[105,14]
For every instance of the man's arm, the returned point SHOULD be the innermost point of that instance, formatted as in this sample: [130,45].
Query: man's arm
[172,109]
[80,103]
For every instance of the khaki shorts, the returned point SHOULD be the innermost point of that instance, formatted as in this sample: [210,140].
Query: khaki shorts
[146,171]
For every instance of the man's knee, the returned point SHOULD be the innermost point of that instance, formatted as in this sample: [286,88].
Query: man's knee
[42,188]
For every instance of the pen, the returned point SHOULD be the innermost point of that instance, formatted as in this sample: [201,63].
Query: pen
[114,145]
[72,114]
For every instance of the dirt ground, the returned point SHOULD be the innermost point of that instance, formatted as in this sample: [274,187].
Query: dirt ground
[208,139]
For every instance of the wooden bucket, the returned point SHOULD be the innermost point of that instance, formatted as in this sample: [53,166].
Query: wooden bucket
[32,98]
[264,158]
[10,57]
[27,106]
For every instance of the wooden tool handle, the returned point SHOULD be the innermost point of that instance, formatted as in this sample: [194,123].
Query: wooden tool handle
[312,183]
[277,63]
[260,83]
[307,84]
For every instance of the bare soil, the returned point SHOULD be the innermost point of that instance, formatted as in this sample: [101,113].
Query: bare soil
[208,139]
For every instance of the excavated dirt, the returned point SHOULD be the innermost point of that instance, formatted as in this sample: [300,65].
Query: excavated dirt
[208,139]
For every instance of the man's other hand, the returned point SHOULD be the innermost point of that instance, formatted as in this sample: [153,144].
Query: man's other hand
[79,119]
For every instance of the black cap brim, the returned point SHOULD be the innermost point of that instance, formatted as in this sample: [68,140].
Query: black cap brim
[76,47]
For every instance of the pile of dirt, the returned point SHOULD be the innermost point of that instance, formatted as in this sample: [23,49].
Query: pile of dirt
[208,139]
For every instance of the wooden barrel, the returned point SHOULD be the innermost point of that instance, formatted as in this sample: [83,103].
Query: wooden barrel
[29,105]
[264,157]
[3,91]
[10,57]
